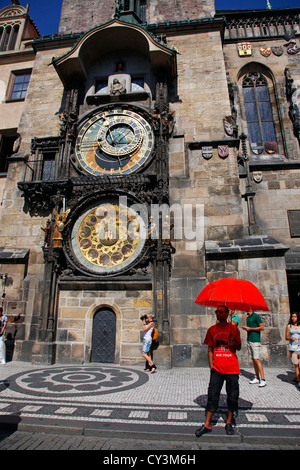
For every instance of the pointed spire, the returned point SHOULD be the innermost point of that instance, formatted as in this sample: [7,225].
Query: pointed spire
[15,2]
[269,7]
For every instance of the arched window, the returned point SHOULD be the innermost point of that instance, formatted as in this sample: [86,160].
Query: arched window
[8,37]
[5,39]
[13,37]
[259,116]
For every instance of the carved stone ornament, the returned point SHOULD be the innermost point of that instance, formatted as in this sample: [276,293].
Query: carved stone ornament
[223,151]
[257,149]
[291,94]
[207,152]
[291,47]
[244,49]
[228,126]
[265,51]
[59,226]
[270,147]
[119,84]
[257,176]
[277,50]
[17,144]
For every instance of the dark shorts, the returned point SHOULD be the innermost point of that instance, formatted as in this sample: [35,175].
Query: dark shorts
[214,389]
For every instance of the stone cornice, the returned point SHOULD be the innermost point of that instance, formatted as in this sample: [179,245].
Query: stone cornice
[257,246]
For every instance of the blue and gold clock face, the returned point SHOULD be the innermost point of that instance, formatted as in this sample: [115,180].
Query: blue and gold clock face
[114,142]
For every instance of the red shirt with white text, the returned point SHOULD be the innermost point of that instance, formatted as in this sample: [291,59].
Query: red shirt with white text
[219,338]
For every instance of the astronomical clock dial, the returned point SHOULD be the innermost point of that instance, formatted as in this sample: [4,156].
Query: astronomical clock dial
[108,238]
[114,142]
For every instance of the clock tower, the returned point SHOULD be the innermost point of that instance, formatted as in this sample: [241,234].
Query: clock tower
[115,128]
[156,152]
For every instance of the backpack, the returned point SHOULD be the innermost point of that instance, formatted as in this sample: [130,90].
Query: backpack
[154,334]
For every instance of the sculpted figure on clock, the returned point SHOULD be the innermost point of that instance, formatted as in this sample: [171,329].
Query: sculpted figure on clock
[60,224]
[117,87]
[47,233]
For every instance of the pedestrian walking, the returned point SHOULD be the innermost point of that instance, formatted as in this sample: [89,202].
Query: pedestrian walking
[253,328]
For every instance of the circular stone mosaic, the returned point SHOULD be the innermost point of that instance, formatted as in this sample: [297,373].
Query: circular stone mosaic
[76,381]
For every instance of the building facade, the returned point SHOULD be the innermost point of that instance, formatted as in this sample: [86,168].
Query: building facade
[153,148]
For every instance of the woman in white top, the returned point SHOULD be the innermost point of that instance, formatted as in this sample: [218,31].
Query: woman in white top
[292,334]
[148,327]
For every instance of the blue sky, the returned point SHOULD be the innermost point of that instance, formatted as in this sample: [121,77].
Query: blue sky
[46,13]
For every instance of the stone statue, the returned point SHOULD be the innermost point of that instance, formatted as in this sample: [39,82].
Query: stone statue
[47,233]
[117,87]
[60,224]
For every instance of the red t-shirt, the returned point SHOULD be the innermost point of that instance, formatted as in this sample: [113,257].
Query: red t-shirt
[225,359]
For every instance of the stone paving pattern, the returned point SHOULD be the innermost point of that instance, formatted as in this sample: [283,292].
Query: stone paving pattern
[111,407]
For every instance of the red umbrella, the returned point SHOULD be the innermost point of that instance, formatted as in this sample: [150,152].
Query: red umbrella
[236,294]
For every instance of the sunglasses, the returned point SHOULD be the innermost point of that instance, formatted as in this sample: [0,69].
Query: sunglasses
[219,311]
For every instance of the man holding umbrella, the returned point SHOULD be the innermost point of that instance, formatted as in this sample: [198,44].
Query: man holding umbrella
[223,340]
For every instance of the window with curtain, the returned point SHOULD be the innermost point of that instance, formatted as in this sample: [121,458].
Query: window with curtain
[48,168]
[259,116]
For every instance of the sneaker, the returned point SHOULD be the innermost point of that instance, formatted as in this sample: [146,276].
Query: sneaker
[254,381]
[262,383]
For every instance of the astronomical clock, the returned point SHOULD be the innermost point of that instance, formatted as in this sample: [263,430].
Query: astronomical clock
[114,142]
[107,237]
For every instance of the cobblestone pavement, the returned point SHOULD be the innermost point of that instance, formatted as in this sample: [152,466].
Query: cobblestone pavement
[20,440]
[112,407]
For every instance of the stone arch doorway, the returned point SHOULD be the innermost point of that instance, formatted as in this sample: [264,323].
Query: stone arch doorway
[104,336]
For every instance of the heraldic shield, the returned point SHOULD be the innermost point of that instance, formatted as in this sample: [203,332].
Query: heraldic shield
[223,151]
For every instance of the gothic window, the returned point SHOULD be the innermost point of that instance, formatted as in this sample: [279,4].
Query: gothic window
[44,163]
[5,38]
[259,116]
[8,37]
[20,82]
